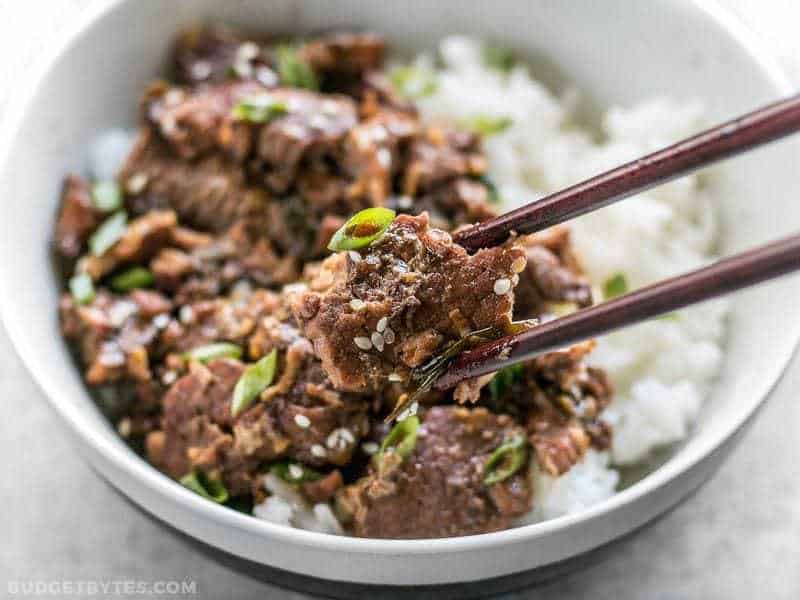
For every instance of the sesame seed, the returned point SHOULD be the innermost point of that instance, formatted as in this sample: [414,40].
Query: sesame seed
[247,51]
[302,421]
[377,341]
[384,158]
[124,427]
[168,124]
[201,69]
[363,342]
[186,314]
[382,323]
[502,286]
[354,256]
[379,133]
[319,451]
[357,304]
[295,471]
[405,202]
[161,321]
[339,439]
[120,311]
[318,121]
[173,97]
[395,377]
[388,336]
[370,448]
[169,377]
[329,107]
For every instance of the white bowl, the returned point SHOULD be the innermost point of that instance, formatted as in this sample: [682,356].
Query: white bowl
[619,52]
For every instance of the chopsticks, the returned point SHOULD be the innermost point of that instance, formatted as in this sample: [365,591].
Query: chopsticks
[723,277]
[759,127]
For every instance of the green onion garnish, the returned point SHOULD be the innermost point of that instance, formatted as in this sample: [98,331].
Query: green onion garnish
[109,233]
[499,58]
[362,229]
[614,286]
[504,379]
[491,187]
[261,108]
[487,125]
[414,82]
[293,71]
[253,381]
[292,472]
[212,489]
[402,439]
[106,196]
[506,460]
[209,352]
[131,279]
[82,288]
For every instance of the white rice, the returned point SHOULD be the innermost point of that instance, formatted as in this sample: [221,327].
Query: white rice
[662,370]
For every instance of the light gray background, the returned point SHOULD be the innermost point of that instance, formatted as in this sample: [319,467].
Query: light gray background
[738,538]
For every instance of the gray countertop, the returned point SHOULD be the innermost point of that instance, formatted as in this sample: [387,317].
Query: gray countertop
[739,537]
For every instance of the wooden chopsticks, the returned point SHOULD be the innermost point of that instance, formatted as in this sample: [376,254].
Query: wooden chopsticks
[753,129]
[723,277]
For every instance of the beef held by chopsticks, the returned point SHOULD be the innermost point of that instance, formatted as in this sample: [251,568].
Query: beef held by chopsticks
[375,313]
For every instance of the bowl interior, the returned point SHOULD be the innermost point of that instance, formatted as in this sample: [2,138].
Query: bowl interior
[94,81]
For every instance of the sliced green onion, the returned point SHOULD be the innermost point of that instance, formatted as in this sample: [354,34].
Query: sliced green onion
[261,108]
[109,233]
[362,229]
[82,288]
[614,286]
[293,71]
[506,460]
[209,352]
[106,196]
[131,279]
[504,379]
[487,125]
[499,58]
[292,472]
[414,82]
[202,484]
[255,379]
[491,187]
[402,439]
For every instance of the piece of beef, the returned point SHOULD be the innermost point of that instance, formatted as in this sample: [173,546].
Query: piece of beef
[115,335]
[390,307]
[439,489]
[439,156]
[372,151]
[198,122]
[461,201]
[143,237]
[312,129]
[210,194]
[243,253]
[299,416]
[552,274]
[77,218]
[343,55]
[210,55]
[560,399]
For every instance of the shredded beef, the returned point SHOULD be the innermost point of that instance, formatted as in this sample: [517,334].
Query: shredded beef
[438,491]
